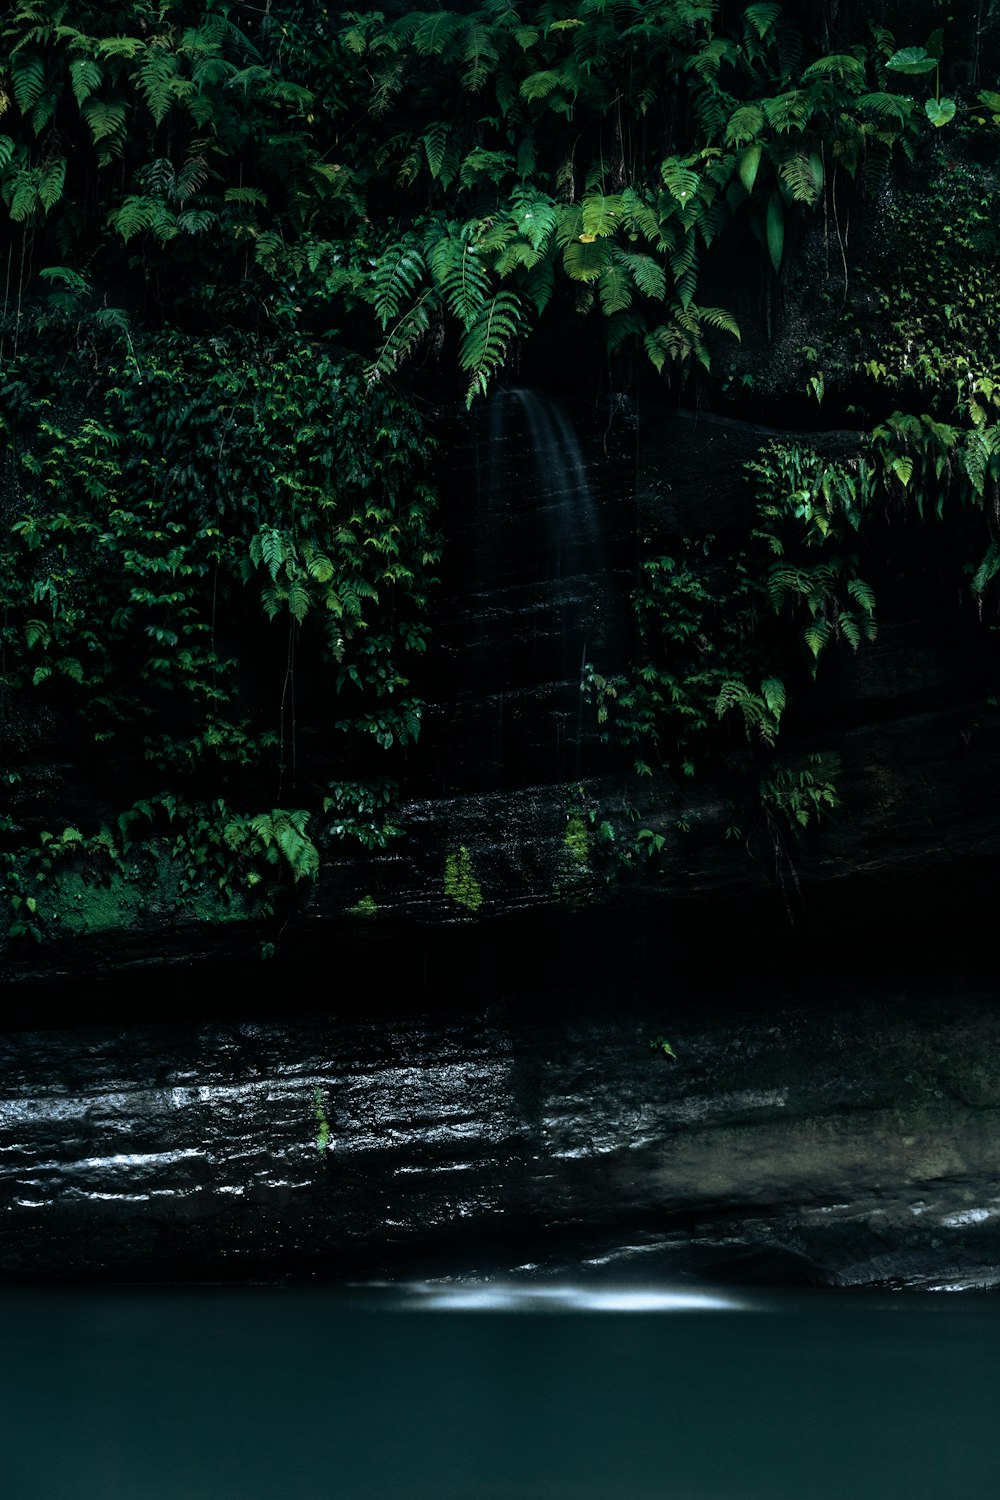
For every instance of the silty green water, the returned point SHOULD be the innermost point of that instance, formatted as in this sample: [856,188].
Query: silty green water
[480,1393]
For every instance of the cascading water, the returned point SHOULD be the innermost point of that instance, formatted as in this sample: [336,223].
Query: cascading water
[540,593]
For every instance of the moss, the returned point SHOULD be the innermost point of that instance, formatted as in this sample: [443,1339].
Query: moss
[366,907]
[460,881]
[576,841]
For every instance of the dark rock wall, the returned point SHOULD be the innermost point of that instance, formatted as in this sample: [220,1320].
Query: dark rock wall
[809,1133]
[547,508]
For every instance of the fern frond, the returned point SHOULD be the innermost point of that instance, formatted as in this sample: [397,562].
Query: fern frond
[157,79]
[51,179]
[397,274]
[484,347]
[584,259]
[615,289]
[682,182]
[862,593]
[85,78]
[534,215]
[763,18]
[401,339]
[435,141]
[435,31]
[640,216]
[881,104]
[601,214]
[28,79]
[836,65]
[648,275]
[789,111]
[459,275]
[623,326]
[803,176]
[745,124]
[106,117]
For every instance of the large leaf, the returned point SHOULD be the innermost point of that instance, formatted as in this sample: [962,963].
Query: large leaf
[912,60]
[940,111]
[775,229]
[749,162]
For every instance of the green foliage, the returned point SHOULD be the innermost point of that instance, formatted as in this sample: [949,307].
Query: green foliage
[191,536]
[725,644]
[576,840]
[322,1121]
[800,796]
[460,883]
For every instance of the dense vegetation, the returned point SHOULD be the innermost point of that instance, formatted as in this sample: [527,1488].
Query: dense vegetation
[236,239]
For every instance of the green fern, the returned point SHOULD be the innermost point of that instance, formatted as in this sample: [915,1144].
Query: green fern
[803,177]
[585,258]
[763,18]
[681,180]
[615,289]
[459,275]
[745,124]
[484,347]
[435,142]
[158,81]
[601,214]
[398,272]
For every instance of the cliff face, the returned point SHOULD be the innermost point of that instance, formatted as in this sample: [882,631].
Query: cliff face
[827,1135]
[546,509]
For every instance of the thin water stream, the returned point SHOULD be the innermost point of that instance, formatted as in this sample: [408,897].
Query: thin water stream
[481,1393]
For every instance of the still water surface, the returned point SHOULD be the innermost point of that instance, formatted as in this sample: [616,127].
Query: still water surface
[480,1393]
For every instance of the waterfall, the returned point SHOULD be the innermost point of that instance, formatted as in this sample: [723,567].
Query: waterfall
[536,588]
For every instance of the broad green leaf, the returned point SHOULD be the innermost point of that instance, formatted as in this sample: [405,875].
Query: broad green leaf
[912,60]
[775,229]
[749,162]
[940,111]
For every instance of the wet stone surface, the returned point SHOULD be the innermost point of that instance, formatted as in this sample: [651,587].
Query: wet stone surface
[844,1141]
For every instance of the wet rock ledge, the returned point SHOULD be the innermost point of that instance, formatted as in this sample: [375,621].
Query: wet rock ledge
[814,1135]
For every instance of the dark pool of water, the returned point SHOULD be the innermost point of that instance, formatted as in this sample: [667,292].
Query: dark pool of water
[474,1393]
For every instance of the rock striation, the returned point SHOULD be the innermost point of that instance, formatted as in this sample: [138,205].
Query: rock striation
[832,1136]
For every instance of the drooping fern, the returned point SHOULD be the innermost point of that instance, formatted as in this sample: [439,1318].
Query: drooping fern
[486,342]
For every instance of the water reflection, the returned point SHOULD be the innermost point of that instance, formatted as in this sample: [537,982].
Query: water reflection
[513,1297]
